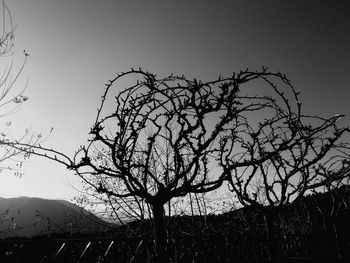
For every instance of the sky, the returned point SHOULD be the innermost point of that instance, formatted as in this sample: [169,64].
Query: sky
[76,46]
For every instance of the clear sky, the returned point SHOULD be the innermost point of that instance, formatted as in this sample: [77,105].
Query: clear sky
[76,46]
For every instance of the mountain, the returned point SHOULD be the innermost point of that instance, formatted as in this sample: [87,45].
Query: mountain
[28,217]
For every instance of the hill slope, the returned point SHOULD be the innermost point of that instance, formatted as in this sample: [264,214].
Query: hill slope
[27,217]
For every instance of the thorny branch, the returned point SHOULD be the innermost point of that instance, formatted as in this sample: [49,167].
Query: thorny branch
[161,138]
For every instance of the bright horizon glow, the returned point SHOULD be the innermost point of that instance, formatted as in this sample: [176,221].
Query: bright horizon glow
[76,46]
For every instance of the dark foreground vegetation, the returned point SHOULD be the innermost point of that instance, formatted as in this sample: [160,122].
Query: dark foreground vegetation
[315,229]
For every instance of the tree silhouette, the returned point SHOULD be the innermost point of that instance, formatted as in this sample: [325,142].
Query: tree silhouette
[156,141]
[285,154]
[163,138]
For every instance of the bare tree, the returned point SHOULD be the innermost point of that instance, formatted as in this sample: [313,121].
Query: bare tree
[157,141]
[164,138]
[285,154]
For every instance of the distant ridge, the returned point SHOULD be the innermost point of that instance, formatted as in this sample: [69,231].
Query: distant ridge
[31,216]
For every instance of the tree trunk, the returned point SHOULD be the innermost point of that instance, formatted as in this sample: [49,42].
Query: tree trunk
[271,234]
[160,233]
